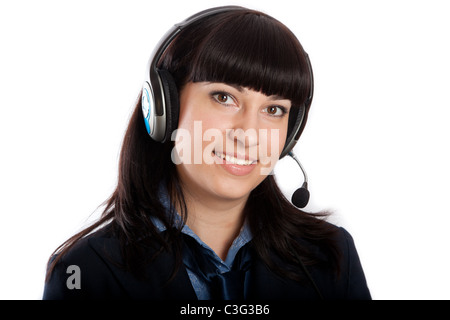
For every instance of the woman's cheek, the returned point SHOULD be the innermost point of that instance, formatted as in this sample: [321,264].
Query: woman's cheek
[270,147]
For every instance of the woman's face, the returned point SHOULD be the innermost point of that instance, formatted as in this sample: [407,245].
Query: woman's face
[228,139]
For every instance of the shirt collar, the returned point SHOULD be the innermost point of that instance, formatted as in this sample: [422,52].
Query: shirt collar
[243,238]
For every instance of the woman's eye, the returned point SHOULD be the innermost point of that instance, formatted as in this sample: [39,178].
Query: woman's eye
[276,111]
[223,98]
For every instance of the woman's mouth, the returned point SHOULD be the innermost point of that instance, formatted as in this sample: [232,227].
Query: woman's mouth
[235,165]
[229,159]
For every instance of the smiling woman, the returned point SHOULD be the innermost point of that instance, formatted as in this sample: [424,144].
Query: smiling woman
[204,218]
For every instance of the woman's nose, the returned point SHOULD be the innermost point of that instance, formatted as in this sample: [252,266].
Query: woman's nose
[245,129]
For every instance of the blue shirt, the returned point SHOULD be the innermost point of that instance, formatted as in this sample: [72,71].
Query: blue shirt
[202,288]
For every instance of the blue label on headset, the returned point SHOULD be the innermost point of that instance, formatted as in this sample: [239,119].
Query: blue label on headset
[146,103]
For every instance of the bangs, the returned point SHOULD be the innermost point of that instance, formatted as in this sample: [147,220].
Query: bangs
[253,51]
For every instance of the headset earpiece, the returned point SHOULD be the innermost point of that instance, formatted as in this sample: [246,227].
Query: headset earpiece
[302,115]
[295,132]
[172,104]
[160,123]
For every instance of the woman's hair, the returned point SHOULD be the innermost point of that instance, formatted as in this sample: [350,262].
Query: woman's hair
[246,48]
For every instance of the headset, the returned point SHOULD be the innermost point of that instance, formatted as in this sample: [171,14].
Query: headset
[160,101]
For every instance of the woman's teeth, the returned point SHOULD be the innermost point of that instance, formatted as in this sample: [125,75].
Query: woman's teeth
[231,159]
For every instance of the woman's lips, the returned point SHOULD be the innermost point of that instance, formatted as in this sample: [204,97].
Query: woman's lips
[238,166]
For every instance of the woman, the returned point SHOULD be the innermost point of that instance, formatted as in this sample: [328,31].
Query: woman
[196,213]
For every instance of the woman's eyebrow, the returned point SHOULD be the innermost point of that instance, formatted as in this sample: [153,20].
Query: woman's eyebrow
[241,89]
[276,97]
[235,86]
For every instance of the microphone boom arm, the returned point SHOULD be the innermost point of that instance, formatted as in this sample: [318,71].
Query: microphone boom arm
[292,155]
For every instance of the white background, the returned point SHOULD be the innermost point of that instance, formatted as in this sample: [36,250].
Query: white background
[375,147]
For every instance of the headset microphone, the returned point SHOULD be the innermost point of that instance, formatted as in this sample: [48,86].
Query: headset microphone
[300,197]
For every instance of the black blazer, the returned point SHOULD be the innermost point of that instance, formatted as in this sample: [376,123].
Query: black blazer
[102,278]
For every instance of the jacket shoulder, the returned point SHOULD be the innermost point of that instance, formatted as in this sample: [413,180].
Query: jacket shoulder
[85,269]
[350,282]
[323,277]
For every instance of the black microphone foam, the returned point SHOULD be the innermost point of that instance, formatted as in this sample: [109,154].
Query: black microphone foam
[300,197]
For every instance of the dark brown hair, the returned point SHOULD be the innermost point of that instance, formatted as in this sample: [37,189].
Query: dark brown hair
[246,48]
